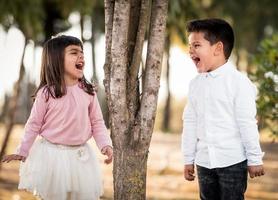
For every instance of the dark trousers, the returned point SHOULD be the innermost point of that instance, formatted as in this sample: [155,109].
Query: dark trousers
[227,183]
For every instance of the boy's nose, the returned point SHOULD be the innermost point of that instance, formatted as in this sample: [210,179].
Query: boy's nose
[190,50]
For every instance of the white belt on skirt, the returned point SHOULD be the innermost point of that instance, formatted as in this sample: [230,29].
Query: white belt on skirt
[81,150]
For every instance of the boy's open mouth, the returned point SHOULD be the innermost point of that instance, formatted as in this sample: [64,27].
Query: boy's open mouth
[196,60]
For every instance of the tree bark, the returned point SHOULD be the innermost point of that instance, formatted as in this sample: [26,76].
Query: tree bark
[132,114]
[13,105]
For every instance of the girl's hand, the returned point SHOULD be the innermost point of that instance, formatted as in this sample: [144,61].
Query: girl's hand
[108,151]
[11,157]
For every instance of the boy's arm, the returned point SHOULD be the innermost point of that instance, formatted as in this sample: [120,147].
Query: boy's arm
[245,110]
[189,135]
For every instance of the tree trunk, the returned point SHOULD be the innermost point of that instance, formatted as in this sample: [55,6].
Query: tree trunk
[238,57]
[167,108]
[12,105]
[132,112]
[93,40]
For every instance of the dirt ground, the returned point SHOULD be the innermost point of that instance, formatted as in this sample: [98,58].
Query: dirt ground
[165,177]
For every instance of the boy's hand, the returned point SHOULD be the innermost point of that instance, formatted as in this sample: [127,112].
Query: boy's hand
[256,170]
[189,172]
[11,157]
[108,151]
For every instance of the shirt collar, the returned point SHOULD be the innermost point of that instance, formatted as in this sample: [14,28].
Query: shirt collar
[220,70]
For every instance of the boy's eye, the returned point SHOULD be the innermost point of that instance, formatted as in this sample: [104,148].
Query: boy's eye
[196,45]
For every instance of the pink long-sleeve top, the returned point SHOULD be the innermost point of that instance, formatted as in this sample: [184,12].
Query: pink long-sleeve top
[70,120]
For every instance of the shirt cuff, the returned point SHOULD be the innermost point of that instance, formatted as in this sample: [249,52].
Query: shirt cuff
[188,160]
[255,160]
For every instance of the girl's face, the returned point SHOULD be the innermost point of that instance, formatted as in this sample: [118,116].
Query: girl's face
[74,64]
[201,52]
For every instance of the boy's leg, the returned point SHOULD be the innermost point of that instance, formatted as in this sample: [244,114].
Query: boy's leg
[208,184]
[233,181]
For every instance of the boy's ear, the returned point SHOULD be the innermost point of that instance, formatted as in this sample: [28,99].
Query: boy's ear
[219,49]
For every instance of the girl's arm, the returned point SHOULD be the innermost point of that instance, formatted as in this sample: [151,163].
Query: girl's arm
[108,151]
[98,128]
[11,157]
[33,124]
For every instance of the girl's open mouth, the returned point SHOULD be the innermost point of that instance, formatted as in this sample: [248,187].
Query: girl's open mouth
[79,66]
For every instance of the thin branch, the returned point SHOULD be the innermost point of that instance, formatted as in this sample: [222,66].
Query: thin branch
[136,53]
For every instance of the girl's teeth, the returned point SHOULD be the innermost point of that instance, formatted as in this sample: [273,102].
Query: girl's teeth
[78,66]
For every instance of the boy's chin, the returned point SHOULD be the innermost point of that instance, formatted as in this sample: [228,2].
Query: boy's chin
[201,70]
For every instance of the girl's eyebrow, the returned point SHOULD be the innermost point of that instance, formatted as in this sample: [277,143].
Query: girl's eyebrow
[75,49]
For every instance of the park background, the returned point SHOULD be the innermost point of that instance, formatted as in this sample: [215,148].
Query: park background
[25,25]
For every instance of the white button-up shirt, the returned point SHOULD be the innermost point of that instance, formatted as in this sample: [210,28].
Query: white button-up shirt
[219,124]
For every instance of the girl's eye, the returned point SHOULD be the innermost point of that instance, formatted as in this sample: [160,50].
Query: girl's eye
[196,45]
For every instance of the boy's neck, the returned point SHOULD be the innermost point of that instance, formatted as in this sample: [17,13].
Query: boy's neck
[217,64]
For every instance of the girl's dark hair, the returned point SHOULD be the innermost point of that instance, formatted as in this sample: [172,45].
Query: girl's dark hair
[214,30]
[52,67]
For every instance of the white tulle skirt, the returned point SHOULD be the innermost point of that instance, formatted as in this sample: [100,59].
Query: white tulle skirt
[58,172]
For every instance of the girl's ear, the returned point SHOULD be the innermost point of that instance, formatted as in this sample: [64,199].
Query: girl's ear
[219,49]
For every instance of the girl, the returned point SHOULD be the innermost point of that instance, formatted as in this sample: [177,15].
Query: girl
[65,114]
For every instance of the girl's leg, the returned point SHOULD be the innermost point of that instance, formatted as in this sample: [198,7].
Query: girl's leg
[208,183]
[233,181]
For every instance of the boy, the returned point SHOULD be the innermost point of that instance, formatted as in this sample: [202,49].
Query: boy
[220,133]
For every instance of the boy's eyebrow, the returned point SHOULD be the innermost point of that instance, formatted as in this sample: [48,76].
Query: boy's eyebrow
[194,42]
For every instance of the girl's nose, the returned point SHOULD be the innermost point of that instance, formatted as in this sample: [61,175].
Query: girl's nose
[81,55]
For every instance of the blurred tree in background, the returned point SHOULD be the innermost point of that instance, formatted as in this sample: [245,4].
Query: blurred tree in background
[252,20]
[266,77]
[26,16]
[178,13]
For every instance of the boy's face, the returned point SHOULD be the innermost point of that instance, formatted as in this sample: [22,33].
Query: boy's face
[202,52]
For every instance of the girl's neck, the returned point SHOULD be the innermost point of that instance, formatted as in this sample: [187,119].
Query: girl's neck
[71,82]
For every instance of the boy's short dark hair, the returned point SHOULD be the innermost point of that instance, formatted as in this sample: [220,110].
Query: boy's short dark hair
[214,30]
